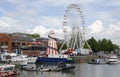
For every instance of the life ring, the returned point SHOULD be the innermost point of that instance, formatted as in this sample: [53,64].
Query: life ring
[4,74]
[10,73]
[14,72]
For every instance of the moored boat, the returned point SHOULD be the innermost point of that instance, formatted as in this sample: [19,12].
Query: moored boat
[98,61]
[54,59]
[113,60]
[31,69]
[31,60]
[63,67]
[14,58]
[53,55]
[7,70]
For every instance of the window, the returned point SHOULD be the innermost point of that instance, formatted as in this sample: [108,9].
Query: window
[8,69]
[6,43]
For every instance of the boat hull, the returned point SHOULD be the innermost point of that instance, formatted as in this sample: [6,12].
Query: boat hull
[31,60]
[112,62]
[95,63]
[53,60]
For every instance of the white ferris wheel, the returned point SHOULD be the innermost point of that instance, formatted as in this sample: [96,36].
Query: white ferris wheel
[73,27]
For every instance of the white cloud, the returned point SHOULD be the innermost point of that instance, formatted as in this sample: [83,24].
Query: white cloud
[40,30]
[43,31]
[40,16]
[5,27]
[114,30]
[10,25]
[59,33]
[100,31]
[96,27]
[51,21]
[3,24]
[113,3]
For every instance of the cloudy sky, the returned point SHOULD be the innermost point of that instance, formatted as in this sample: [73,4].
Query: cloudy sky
[102,17]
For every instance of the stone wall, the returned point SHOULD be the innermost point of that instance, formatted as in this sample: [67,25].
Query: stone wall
[82,59]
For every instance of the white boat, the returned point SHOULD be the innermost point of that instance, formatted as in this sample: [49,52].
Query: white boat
[113,60]
[7,57]
[14,58]
[7,70]
[31,60]
[98,61]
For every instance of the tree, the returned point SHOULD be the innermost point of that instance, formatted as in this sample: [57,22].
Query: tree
[115,47]
[99,47]
[93,44]
[110,45]
[102,45]
[60,44]
[35,35]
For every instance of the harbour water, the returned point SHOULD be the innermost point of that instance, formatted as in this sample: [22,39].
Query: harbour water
[81,70]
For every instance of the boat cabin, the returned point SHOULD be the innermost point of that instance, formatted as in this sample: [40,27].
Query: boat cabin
[7,70]
[58,56]
[6,57]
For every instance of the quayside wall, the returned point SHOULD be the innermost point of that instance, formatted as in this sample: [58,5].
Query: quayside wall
[85,58]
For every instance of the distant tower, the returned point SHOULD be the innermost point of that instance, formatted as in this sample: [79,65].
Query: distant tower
[52,44]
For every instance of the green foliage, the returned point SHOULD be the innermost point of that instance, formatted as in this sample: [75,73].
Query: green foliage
[102,45]
[93,44]
[86,46]
[60,44]
[17,66]
[33,35]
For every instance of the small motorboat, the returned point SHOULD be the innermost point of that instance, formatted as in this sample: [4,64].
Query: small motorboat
[64,67]
[97,61]
[7,70]
[38,69]
[31,69]
[113,60]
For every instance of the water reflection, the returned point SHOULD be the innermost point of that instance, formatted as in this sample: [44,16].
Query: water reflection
[81,70]
[89,70]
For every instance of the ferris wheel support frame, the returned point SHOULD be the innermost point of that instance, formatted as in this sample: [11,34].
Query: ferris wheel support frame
[82,39]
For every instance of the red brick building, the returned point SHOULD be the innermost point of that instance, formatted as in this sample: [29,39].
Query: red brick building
[17,43]
[5,42]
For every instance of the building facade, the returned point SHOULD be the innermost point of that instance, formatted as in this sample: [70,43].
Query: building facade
[5,42]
